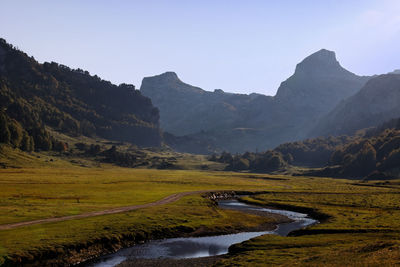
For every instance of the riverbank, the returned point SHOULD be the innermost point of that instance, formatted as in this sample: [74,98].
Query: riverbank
[268,222]
[81,253]
[161,252]
[94,248]
[362,229]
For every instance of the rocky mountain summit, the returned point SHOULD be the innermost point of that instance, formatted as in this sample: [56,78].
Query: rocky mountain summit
[319,83]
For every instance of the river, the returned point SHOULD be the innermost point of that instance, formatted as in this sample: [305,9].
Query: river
[195,247]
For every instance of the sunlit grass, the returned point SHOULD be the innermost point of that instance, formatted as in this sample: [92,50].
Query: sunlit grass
[33,193]
[48,192]
[60,189]
[192,214]
[362,230]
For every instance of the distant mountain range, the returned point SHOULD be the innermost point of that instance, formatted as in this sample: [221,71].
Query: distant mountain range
[239,122]
[321,98]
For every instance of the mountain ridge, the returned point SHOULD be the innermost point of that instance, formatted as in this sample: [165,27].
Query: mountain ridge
[375,103]
[241,122]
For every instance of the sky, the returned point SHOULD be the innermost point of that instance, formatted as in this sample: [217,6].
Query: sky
[238,46]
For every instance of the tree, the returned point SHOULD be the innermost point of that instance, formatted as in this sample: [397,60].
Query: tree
[5,134]
[31,144]
[16,133]
[27,143]
[225,157]
[60,146]
[363,163]
[269,161]
[239,164]
[42,139]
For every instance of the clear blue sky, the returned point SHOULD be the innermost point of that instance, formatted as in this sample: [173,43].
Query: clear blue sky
[238,46]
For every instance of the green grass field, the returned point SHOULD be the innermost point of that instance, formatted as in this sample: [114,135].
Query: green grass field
[35,193]
[362,228]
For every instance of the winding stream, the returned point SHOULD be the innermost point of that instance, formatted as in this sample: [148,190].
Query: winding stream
[195,247]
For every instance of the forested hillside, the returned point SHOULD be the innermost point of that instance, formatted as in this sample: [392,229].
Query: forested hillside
[34,96]
[372,153]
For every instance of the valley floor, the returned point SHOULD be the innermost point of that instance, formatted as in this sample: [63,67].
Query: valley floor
[359,221]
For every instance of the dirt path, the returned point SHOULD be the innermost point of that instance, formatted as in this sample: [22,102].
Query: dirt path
[166,200]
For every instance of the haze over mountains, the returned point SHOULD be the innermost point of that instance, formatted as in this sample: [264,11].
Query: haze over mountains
[237,122]
[321,98]
[376,102]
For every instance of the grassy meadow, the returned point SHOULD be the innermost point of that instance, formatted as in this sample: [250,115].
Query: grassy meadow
[62,189]
[362,229]
[360,225]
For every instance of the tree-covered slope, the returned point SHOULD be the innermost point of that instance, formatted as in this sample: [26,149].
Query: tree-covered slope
[34,95]
[372,153]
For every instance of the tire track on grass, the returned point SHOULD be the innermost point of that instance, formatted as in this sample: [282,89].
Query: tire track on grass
[165,200]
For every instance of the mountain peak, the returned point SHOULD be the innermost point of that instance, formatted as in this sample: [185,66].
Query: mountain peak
[322,60]
[166,82]
[168,75]
[322,55]
[319,81]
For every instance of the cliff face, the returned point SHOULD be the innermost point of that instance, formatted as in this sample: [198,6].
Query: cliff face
[239,122]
